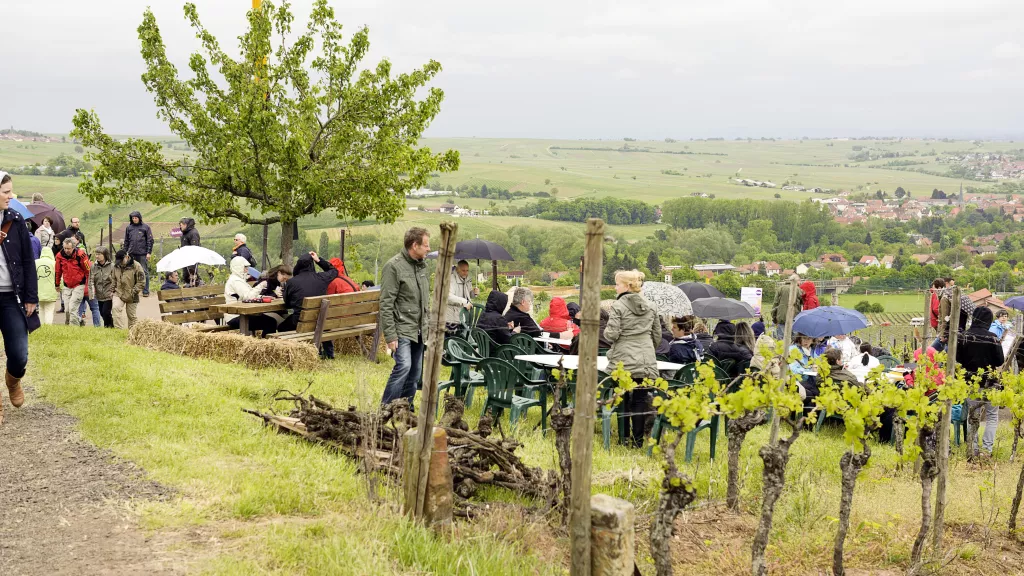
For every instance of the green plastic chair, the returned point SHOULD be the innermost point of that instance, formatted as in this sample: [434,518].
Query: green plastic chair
[508,353]
[688,374]
[661,423]
[461,352]
[482,342]
[503,381]
[527,344]
[889,362]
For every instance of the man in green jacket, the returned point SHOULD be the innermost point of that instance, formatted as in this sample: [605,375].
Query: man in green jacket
[404,309]
[779,308]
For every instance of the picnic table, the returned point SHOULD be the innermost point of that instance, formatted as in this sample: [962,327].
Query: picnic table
[550,340]
[571,362]
[246,309]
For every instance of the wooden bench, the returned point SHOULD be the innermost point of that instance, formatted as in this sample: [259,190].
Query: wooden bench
[193,305]
[329,318]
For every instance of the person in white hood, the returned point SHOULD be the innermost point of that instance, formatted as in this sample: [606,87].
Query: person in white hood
[238,289]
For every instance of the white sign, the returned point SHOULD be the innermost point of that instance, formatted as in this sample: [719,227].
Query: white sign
[668,278]
[751,296]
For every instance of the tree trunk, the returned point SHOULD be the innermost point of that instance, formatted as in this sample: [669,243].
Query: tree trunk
[899,432]
[929,470]
[287,231]
[1016,504]
[736,431]
[776,457]
[851,464]
[676,494]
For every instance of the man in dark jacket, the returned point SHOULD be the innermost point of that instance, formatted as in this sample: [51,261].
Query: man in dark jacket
[138,243]
[18,291]
[190,237]
[72,231]
[242,250]
[519,313]
[404,311]
[306,283]
[981,353]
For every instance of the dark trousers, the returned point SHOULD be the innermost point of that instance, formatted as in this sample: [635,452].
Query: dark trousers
[637,422]
[261,323]
[141,259]
[406,374]
[106,307]
[14,328]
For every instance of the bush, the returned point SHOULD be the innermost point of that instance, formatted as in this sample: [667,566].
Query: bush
[608,294]
[877,308]
[543,297]
[863,307]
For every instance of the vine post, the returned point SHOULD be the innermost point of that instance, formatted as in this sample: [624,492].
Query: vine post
[787,339]
[942,458]
[586,403]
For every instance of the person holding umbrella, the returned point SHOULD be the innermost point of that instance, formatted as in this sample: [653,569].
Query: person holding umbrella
[45,233]
[190,237]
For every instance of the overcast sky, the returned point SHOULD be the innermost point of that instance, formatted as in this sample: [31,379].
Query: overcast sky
[579,69]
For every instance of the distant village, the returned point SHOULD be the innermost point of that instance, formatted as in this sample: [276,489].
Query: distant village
[848,212]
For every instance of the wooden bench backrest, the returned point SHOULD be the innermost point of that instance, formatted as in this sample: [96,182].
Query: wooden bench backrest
[196,308]
[343,311]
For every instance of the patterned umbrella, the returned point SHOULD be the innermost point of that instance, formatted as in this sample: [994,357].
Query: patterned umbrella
[671,301]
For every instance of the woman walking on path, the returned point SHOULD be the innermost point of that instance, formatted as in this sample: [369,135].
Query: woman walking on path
[18,292]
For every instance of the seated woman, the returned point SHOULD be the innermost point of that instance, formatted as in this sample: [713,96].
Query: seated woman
[685,349]
[700,330]
[274,280]
[237,289]
[559,323]
[802,365]
[863,363]
[492,321]
[836,371]
[725,347]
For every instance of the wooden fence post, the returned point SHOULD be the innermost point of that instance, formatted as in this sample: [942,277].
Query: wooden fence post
[944,424]
[927,320]
[613,537]
[586,404]
[432,367]
[787,339]
[265,261]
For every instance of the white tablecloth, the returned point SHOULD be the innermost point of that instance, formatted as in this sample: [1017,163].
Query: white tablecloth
[573,362]
[550,340]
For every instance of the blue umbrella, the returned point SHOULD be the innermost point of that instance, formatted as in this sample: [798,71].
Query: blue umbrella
[1017,303]
[25,212]
[827,321]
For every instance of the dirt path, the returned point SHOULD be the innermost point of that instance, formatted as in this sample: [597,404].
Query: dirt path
[63,502]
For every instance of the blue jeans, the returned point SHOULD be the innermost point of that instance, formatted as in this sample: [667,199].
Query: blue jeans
[15,332]
[939,345]
[408,366]
[94,305]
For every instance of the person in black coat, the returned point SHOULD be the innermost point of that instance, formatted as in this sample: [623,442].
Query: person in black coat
[725,348]
[242,250]
[138,243]
[190,237]
[19,292]
[518,313]
[492,321]
[306,283]
[981,352]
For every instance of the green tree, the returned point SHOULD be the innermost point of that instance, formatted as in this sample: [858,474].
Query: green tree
[653,263]
[290,128]
[900,192]
[324,244]
[863,307]
[729,283]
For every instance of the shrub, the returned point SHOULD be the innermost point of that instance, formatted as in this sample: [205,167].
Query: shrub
[863,307]
[608,294]
[877,308]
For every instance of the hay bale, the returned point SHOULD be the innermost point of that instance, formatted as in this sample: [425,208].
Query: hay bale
[231,348]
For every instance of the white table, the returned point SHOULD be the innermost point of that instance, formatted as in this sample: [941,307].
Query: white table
[550,340]
[570,362]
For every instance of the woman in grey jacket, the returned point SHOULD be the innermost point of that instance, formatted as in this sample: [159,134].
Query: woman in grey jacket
[634,330]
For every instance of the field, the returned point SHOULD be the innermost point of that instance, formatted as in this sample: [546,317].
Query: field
[902,303]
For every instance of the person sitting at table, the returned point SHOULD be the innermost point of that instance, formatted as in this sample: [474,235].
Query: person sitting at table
[518,312]
[700,330]
[844,344]
[558,323]
[862,364]
[836,371]
[237,289]
[685,349]
[275,279]
[307,283]
[802,365]
[745,336]
[342,284]
[602,342]
[574,312]
[725,348]
[634,329]
[493,322]
[170,281]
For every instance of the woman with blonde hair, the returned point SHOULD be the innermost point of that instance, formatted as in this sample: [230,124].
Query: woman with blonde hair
[634,331]
[745,336]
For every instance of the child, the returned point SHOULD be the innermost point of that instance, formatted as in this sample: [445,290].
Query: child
[685,349]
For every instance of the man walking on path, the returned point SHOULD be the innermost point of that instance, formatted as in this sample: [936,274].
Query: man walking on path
[138,243]
[73,270]
[18,292]
[101,286]
[404,309]
[190,237]
[72,231]
[128,282]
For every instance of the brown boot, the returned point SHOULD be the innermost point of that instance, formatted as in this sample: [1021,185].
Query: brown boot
[14,387]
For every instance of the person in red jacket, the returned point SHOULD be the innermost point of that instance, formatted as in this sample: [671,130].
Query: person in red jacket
[342,284]
[810,295]
[73,268]
[558,321]
[937,286]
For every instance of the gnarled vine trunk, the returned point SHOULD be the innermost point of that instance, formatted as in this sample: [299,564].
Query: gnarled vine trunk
[736,431]
[1015,507]
[776,457]
[899,433]
[975,409]
[1016,439]
[929,470]
[676,494]
[851,464]
[561,423]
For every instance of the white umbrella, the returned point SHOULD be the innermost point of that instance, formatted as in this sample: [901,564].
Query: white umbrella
[670,300]
[189,256]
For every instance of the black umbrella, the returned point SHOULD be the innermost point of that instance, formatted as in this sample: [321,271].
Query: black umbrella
[42,210]
[698,290]
[722,309]
[477,249]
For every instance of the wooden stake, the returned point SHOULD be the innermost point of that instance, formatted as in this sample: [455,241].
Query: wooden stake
[432,363]
[927,320]
[586,404]
[944,424]
[787,339]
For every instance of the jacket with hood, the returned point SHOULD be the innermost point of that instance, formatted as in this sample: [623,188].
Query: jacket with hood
[779,308]
[810,296]
[70,232]
[492,321]
[46,267]
[242,251]
[404,298]
[634,329]
[138,238]
[686,350]
[558,319]
[129,281]
[45,236]
[16,250]
[101,277]
[342,284]
[72,270]
[725,347]
[460,293]
[307,282]
[236,288]
[980,349]
[189,234]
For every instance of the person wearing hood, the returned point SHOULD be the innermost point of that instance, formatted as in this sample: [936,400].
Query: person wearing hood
[493,321]
[240,249]
[73,271]
[574,312]
[558,322]
[237,289]
[138,243]
[45,270]
[981,353]
[404,313]
[189,237]
[19,295]
[810,296]
[101,287]
[129,280]
[758,328]
[634,330]
[685,349]
[306,283]
[725,347]
[342,284]
[460,296]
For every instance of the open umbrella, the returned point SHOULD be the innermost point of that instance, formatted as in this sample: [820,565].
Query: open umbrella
[20,208]
[827,321]
[722,309]
[189,256]
[477,249]
[671,301]
[1017,303]
[42,210]
[697,290]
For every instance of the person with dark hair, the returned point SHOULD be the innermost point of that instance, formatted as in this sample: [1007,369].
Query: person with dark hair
[19,295]
[306,283]
[574,312]
[368,285]
[170,281]
[72,231]
[725,346]
[685,349]
[945,314]
[138,243]
[863,363]
[190,237]
[981,353]
[101,287]
[129,280]
[758,328]
[938,285]
[404,314]
[460,297]
[493,321]
[836,371]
